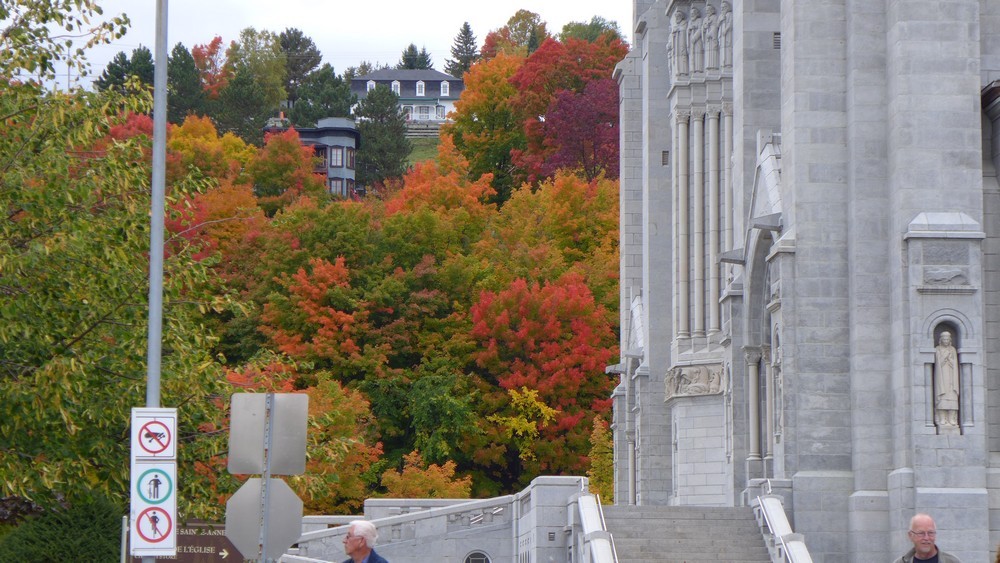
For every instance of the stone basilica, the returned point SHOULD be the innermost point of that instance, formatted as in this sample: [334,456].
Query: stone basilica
[810,266]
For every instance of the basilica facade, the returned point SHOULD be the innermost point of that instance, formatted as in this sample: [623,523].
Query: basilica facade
[810,266]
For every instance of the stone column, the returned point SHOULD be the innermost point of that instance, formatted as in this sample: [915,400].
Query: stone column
[683,208]
[714,268]
[698,247]
[768,401]
[727,177]
[752,356]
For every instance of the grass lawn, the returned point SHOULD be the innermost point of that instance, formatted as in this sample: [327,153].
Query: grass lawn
[424,148]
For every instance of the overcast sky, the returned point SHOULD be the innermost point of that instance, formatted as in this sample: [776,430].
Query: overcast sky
[346,31]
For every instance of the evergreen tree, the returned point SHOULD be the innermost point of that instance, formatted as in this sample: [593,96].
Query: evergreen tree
[413,59]
[384,146]
[121,67]
[322,94]
[243,108]
[363,69]
[184,82]
[302,58]
[464,52]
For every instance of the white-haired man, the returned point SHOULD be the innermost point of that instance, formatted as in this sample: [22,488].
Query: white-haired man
[923,535]
[359,543]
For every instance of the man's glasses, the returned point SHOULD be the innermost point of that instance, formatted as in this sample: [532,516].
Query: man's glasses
[928,534]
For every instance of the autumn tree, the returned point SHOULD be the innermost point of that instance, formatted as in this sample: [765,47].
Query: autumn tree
[210,60]
[552,338]
[527,29]
[601,474]
[258,55]
[322,94]
[487,126]
[420,480]
[186,96]
[413,59]
[581,131]
[122,68]
[302,58]
[464,52]
[382,125]
[284,170]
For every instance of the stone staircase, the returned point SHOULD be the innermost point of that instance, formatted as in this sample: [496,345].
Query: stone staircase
[685,534]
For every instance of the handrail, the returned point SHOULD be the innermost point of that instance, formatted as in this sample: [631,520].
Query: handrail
[604,526]
[784,545]
[595,535]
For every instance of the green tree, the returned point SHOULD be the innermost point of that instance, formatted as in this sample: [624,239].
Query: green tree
[364,68]
[322,94]
[85,531]
[413,59]
[591,31]
[258,56]
[243,108]
[464,51]
[384,146]
[602,462]
[527,29]
[302,59]
[74,250]
[121,68]
[186,96]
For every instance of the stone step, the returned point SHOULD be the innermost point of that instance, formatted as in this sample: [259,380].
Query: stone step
[685,534]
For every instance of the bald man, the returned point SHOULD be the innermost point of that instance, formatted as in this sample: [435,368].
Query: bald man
[923,534]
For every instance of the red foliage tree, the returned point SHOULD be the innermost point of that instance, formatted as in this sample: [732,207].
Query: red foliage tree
[554,339]
[581,131]
[210,60]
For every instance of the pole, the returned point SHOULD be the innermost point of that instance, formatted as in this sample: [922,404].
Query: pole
[158,201]
[265,487]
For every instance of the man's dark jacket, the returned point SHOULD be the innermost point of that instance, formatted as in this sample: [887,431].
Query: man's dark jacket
[372,558]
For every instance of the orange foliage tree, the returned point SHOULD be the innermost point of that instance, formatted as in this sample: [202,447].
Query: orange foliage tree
[284,170]
[420,480]
[210,60]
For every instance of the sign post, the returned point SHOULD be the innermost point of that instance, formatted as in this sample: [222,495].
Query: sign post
[153,490]
[267,436]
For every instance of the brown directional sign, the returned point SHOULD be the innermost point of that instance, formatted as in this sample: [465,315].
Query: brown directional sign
[202,542]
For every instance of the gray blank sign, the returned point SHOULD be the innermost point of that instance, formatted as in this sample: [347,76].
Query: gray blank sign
[288,433]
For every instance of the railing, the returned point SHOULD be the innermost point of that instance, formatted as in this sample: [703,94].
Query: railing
[595,543]
[784,545]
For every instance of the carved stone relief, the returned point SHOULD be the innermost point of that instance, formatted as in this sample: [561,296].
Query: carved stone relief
[700,43]
[688,381]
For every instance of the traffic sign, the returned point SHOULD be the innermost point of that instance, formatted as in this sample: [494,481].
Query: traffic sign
[153,528]
[244,518]
[154,433]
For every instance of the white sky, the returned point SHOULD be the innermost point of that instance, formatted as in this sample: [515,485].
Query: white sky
[346,31]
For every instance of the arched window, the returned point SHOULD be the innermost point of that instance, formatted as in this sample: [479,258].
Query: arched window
[370,85]
[445,88]
[395,87]
[477,557]
[420,87]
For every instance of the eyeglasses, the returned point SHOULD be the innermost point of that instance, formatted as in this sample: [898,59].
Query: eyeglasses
[928,534]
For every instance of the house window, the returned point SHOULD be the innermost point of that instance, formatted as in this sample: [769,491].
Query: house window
[337,186]
[420,87]
[350,157]
[445,88]
[439,112]
[371,86]
[425,112]
[350,186]
[395,87]
[320,154]
[336,157]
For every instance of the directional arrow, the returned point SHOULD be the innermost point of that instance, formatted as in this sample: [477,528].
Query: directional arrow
[224,553]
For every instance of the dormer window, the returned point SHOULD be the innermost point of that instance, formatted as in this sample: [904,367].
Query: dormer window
[395,87]
[445,88]
[420,87]
[371,85]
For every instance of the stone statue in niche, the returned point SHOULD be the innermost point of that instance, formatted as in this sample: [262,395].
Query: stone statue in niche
[677,53]
[696,49]
[710,37]
[726,36]
[946,382]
